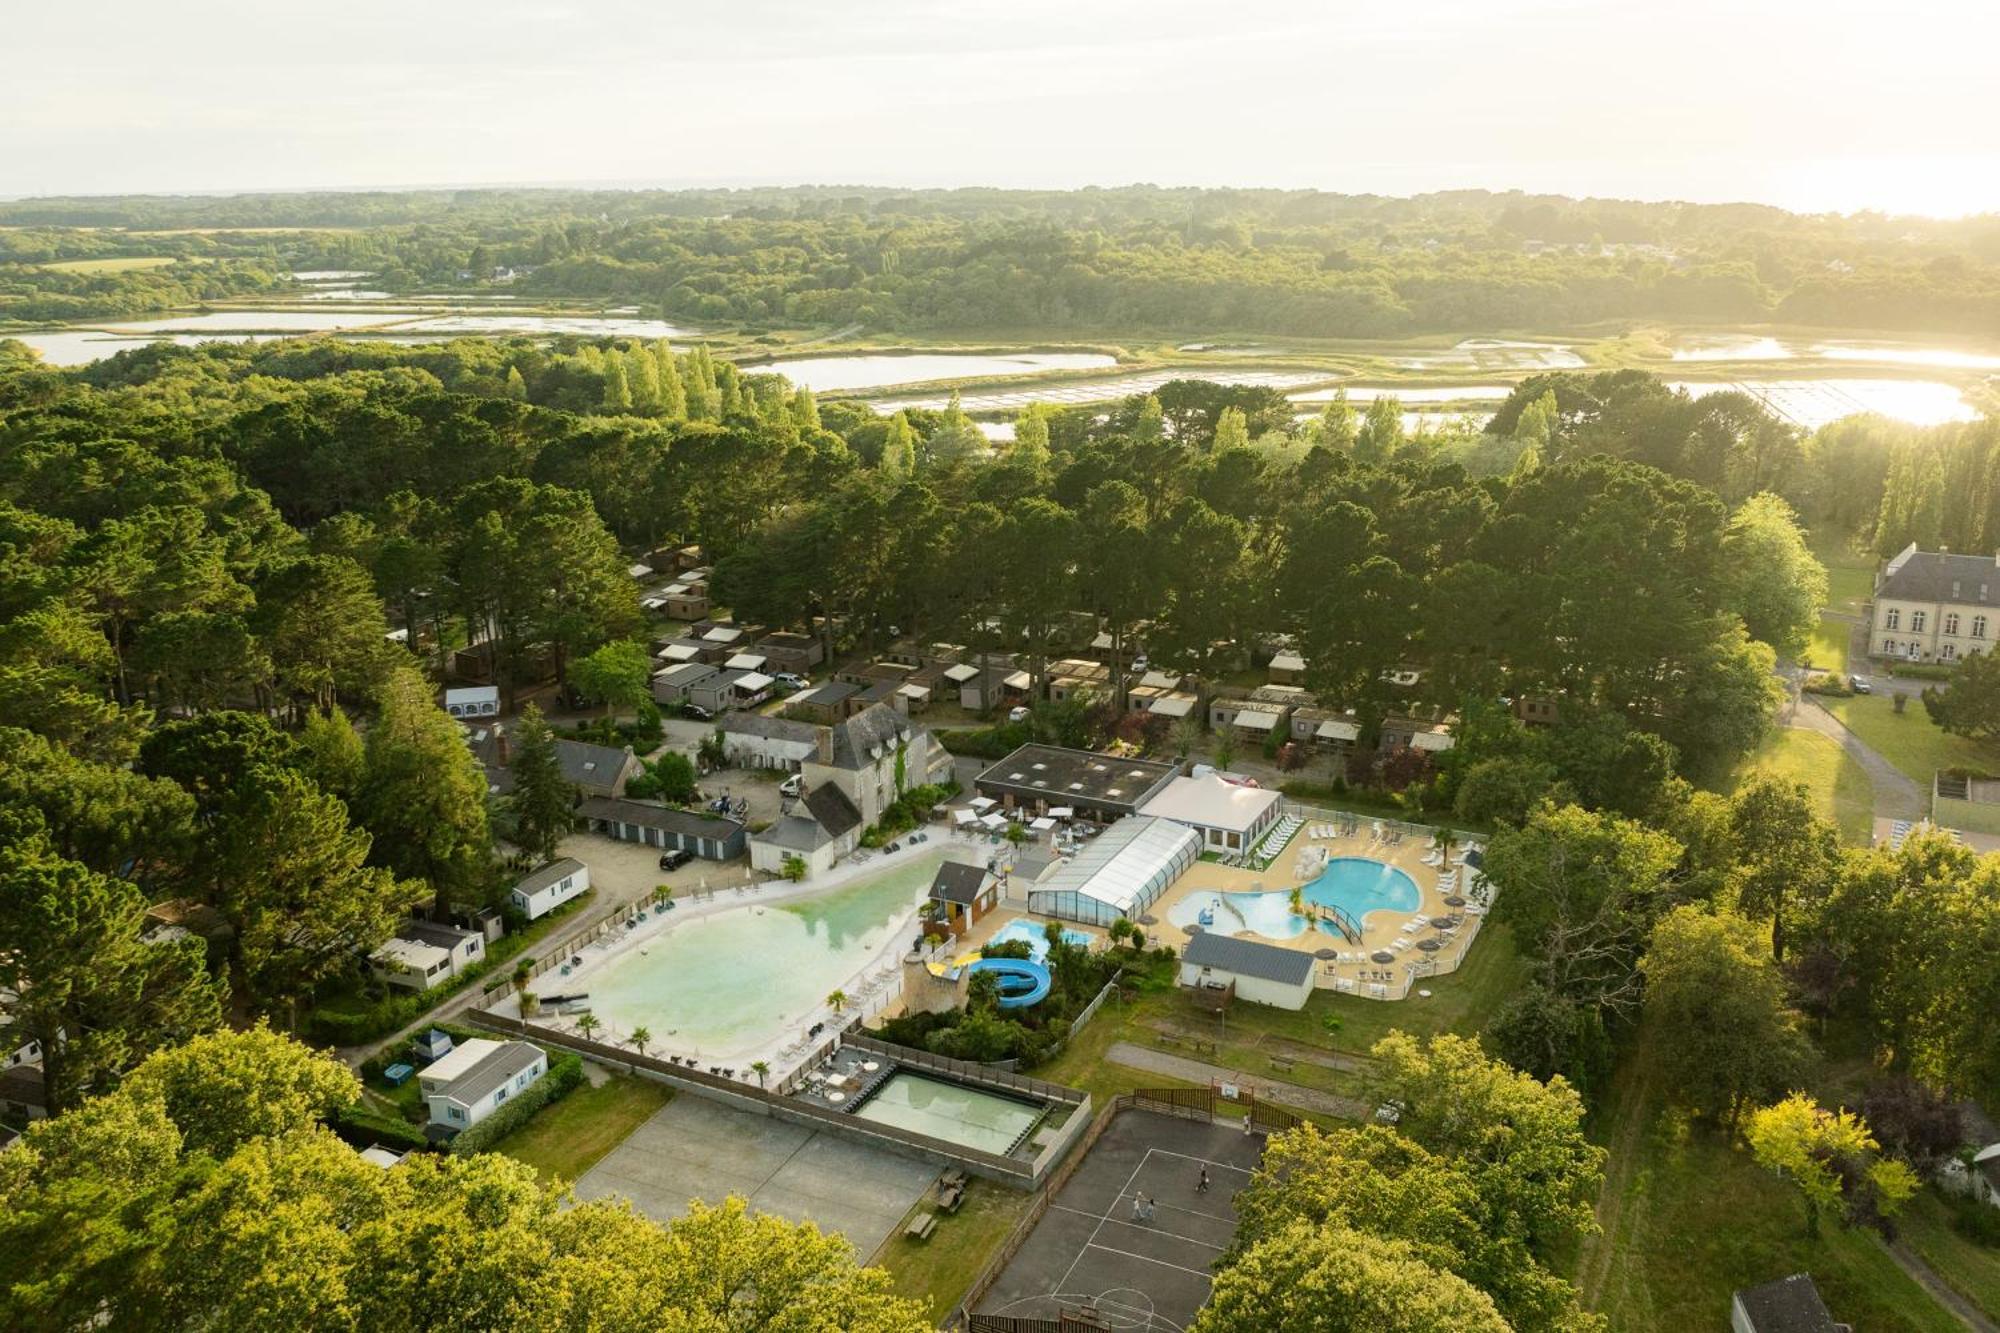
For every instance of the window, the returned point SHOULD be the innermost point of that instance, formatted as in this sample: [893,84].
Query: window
[455,1113]
[1948,652]
[1889,647]
[1979,627]
[1951,622]
[1917,621]
[1892,618]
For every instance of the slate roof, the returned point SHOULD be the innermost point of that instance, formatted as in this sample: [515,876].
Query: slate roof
[1248,958]
[854,737]
[1789,1305]
[1927,576]
[770,728]
[684,822]
[795,834]
[830,806]
[585,764]
[957,882]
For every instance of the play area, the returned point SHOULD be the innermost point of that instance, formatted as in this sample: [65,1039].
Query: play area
[1131,1237]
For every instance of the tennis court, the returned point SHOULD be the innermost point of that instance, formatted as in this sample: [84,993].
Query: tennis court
[1091,1251]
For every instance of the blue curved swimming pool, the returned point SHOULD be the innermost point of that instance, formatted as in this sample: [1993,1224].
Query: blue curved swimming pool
[1356,885]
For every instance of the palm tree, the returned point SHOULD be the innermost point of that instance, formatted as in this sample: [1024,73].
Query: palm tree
[1444,840]
[587,1024]
[838,1000]
[641,1035]
[762,1069]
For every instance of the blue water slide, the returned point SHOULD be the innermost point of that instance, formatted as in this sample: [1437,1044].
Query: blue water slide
[1022,982]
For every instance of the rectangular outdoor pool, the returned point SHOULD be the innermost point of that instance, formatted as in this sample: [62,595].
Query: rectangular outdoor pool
[972,1117]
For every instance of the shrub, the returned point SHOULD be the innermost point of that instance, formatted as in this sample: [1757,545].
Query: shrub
[364,1128]
[1977,1222]
[1921,670]
[565,1073]
[996,742]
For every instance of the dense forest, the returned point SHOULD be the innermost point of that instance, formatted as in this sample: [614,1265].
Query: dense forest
[1118,262]
[203,552]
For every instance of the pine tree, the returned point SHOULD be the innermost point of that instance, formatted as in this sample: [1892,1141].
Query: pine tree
[1152,424]
[517,388]
[543,801]
[1031,438]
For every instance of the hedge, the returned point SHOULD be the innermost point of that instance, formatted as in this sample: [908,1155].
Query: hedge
[1920,670]
[565,1073]
[985,743]
[365,1128]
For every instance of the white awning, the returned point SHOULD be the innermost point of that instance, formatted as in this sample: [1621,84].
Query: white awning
[1434,742]
[1043,825]
[722,634]
[920,693]
[752,681]
[961,673]
[1062,812]
[745,662]
[1334,730]
[1288,662]
[680,652]
[1160,680]
[1171,705]
[982,802]
[964,816]
[1020,680]
[993,821]
[1251,720]
[653,603]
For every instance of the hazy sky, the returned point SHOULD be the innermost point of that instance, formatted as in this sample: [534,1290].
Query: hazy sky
[1813,104]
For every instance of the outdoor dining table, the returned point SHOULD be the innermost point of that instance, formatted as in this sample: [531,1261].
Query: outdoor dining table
[871,1066]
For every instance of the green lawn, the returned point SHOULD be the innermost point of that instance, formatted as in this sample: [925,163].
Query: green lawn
[1850,577]
[1972,1269]
[1828,650]
[566,1139]
[1839,785]
[1689,1217]
[1910,740]
[939,1270]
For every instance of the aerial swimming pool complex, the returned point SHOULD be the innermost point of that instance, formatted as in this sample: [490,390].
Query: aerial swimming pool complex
[1352,887]
[955,1112]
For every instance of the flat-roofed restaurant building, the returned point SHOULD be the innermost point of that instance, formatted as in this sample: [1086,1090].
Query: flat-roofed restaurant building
[1038,778]
[1119,873]
[1230,816]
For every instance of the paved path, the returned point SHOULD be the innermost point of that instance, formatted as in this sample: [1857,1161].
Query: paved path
[1896,797]
[1196,1071]
[1912,1263]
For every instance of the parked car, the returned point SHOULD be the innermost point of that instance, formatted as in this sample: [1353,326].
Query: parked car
[791,680]
[795,785]
[1860,685]
[675,859]
[1018,713]
[697,712]
[1141,663]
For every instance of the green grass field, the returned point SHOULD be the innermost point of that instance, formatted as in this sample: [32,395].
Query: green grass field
[1850,576]
[1910,740]
[1828,649]
[939,1270]
[1839,785]
[1973,1270]
[566,1139]
[123,264]
[1689,1217]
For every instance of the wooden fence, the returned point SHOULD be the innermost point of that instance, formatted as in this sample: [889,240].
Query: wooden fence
[1186,1103]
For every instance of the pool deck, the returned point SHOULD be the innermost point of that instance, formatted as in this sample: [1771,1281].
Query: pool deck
[1354,971]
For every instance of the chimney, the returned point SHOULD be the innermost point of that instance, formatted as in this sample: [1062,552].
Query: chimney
[500,743]
[824,741]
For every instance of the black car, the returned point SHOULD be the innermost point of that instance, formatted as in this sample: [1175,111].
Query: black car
[674,860]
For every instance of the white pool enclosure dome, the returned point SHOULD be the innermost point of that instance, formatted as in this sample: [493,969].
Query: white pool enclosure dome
[1120,873]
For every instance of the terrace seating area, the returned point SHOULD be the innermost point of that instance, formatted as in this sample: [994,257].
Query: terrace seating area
[843,1080]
